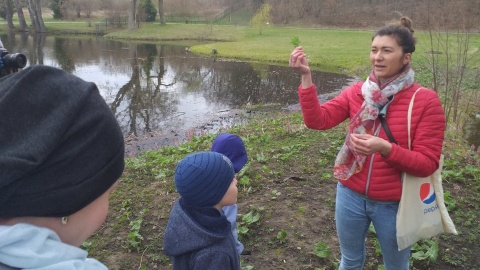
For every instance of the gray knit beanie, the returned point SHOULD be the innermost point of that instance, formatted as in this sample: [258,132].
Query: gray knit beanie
[60,145]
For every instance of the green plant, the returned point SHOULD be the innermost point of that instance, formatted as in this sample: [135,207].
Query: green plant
[375,241]
[295,41]
[147,11]
[262,158]
[275,194]
[282,236]
[247,220]
[86,245]
[449,201]
[425,250]
[322,250]
[58,8]
[134,237]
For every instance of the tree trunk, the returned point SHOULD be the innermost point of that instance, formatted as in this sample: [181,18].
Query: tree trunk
[41,24]
[132,14]
[9,14]
[21,17]
[33,15]
[36,16]
[161,12]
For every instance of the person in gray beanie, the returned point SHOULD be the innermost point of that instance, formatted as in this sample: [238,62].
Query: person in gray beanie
[198,235]
[61,155]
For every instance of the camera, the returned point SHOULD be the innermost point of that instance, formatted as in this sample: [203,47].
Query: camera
[11,62]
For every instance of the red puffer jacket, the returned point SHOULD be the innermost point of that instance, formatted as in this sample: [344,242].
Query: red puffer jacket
[427,131]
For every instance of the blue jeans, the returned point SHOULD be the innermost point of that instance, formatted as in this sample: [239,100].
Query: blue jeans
[353,214]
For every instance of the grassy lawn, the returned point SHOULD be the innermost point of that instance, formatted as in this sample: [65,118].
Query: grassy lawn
[340,51]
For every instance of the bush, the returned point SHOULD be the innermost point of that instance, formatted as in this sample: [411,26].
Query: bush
[147,11]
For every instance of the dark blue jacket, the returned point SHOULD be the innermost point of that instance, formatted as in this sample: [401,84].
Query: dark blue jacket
[200,238]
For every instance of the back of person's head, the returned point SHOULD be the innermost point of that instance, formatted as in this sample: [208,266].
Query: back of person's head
[233,147]
[203,178]
[402,32]
[60,145]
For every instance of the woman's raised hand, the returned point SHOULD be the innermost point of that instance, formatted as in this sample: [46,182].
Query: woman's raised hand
[298,61]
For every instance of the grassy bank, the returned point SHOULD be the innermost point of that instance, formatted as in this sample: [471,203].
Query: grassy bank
[286,203]
[340,51]
[329,50]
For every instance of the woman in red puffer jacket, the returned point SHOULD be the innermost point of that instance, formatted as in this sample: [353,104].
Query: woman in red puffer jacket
[369,166]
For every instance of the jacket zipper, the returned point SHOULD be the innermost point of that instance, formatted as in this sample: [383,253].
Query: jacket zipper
[371,163]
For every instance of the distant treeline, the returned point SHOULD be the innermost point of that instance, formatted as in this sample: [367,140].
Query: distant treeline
[453,14]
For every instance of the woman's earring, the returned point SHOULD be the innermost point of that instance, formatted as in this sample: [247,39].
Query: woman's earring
[64,220]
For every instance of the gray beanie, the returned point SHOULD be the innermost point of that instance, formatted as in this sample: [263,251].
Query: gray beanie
[60,144]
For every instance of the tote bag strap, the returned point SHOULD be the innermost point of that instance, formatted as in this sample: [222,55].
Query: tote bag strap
[409,118]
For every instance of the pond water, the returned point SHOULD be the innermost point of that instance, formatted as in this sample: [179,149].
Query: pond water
[161,93]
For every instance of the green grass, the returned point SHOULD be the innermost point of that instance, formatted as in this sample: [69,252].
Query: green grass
[279,145]
[181,31]
[339,51]
[75,25]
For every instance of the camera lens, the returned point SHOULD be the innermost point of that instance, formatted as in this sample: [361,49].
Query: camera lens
[15,60]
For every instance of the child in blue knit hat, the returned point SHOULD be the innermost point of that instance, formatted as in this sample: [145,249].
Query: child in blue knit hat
[232,147]
[198,235]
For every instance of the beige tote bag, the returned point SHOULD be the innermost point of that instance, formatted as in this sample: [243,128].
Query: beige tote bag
[422,212]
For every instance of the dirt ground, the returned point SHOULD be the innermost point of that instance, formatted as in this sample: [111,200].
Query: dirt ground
[291,188]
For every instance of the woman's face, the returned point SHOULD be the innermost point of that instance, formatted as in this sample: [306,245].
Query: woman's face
[387,57]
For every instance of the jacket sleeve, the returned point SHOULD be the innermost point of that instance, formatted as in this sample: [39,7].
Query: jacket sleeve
[327,115]
[212,261]
[427,134]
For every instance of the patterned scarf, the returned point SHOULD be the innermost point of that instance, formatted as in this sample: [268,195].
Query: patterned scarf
[375,97]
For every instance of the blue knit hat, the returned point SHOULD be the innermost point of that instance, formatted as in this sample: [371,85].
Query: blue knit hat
[231,146]
[203,178]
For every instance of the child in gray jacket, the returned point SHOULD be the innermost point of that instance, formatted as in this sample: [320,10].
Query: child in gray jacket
[198,235]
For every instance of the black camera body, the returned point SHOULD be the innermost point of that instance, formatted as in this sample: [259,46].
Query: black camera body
[11,62]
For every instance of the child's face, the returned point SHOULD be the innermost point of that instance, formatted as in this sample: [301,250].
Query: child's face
[230,196]
[87,221]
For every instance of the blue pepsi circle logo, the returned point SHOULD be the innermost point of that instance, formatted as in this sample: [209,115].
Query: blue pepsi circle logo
[427,193]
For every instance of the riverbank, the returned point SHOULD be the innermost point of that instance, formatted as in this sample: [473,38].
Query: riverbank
[286,203]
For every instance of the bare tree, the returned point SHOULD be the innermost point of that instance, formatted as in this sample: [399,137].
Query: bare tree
[77,6]
[8,5]
[132,14]
[161,12]
[89,6]
[448,54]
[35,10]
[21,17]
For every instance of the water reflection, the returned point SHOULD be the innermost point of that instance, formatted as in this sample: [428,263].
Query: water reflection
[162,91]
